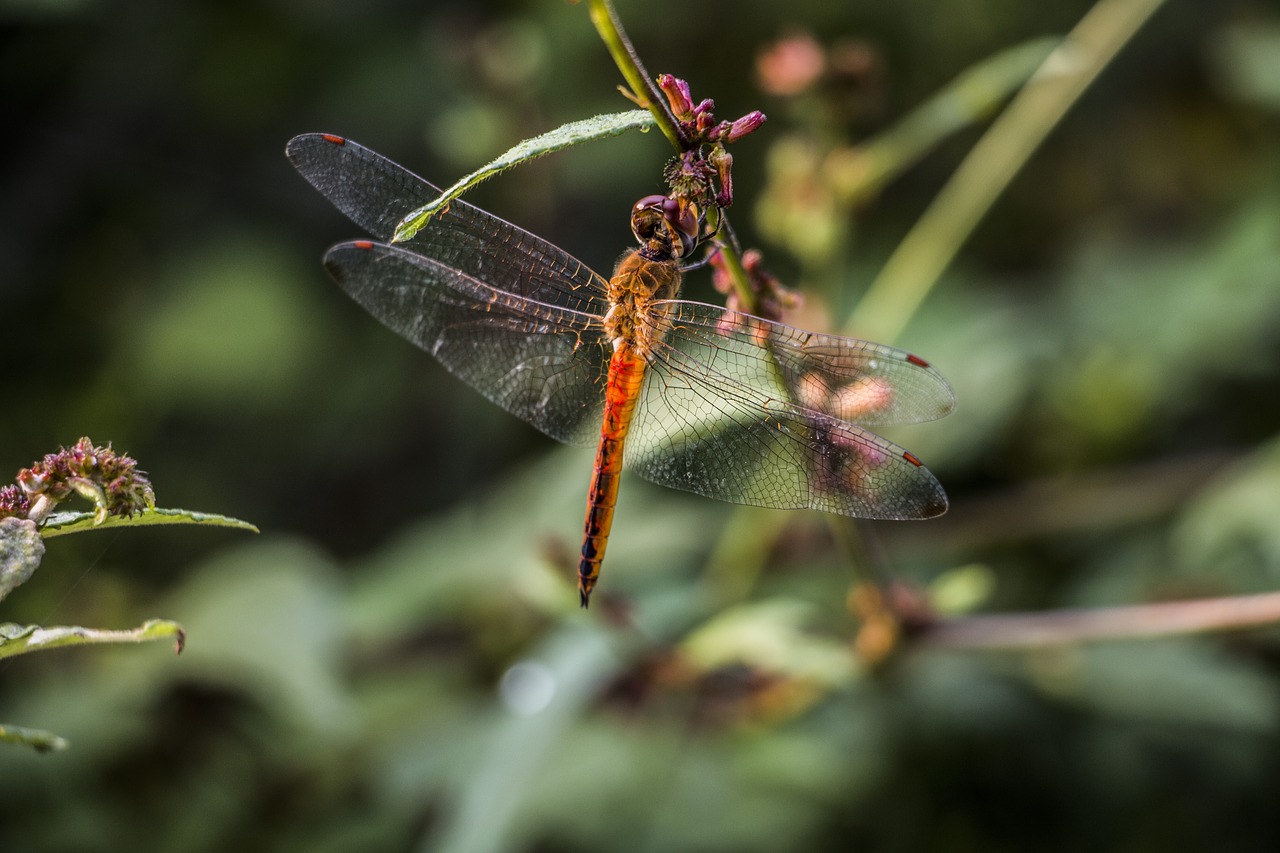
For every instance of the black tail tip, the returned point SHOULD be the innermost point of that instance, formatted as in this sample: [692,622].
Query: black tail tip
[584,597]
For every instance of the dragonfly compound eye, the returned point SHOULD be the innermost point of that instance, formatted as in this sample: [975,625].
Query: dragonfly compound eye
[686,223]
[665,226]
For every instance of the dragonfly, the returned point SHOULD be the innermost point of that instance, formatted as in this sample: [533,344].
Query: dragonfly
[688,395]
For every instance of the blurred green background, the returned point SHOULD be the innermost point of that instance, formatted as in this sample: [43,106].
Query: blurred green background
[398,663]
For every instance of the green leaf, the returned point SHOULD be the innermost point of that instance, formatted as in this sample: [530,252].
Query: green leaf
[268,615]
[20,639]
[962,589]
[1230,524]
[573,133]
[770,636]
[1246,57]
[61,523]
[576,663]
[39,739]
[21,550]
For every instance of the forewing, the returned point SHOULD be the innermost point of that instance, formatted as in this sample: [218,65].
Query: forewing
[543,363]
[721,415]
[376,194]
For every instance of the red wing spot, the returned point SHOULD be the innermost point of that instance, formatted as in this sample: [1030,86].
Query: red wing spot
[917,360]
[911,457]
[367,245]
[336,140]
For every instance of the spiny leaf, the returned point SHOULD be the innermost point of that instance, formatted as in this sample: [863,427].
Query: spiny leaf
[20,639]
[38,739]
[565,136]
[75,522]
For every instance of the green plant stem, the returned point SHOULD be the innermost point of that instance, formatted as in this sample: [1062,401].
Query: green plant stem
[733,266]
[643,90]
[918,262]
[741,552]
[929,247]
[646,94]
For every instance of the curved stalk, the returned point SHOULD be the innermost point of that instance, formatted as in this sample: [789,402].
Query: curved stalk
[643,90]
[927,250]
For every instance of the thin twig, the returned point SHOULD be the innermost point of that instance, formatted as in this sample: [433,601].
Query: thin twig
[1064,627]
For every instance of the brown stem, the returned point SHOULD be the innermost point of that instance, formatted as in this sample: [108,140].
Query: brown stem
[1062,627]
[40,508]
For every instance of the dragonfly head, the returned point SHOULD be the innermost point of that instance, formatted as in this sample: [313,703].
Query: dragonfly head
[666,228]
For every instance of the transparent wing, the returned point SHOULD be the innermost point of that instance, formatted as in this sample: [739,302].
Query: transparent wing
[545,364]
[376,194]
[749,411]
[847,378]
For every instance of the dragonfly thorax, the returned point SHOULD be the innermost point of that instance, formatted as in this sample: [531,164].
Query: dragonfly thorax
[638,281]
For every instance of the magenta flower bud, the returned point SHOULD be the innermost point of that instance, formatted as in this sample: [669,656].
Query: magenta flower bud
[722,161]
[747,124]
[678,95]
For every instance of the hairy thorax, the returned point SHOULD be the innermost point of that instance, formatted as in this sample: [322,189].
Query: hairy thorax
[638,281]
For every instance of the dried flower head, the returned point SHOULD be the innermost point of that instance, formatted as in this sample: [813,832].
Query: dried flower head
[111,480]
[13,502]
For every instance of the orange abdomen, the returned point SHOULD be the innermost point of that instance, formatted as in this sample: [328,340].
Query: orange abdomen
[626,373]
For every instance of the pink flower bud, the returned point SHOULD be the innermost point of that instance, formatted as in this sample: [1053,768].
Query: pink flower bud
[747,124]
[678,95]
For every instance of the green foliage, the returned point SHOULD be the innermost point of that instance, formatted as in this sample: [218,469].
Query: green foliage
[123,498]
